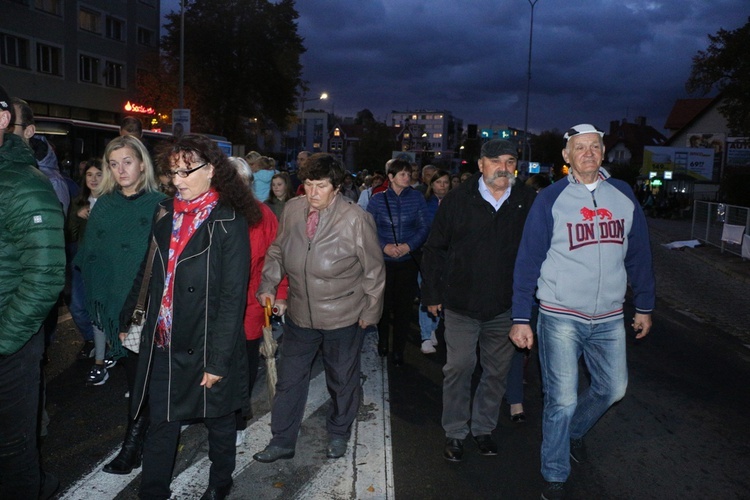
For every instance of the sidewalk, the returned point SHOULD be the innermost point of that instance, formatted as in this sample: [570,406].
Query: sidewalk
[702,282]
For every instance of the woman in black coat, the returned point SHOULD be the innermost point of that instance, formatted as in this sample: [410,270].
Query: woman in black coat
[193,363]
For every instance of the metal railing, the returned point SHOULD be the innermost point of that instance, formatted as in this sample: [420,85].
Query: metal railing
[709,219]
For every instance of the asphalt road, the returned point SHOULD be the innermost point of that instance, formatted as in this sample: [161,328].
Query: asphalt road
[680,432]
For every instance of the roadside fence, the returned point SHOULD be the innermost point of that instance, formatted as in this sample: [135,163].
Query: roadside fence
[724,226]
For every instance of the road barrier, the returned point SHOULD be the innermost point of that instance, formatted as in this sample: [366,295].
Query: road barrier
[724,226]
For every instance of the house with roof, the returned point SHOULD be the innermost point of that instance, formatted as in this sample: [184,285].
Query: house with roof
[625,141]
[697,123]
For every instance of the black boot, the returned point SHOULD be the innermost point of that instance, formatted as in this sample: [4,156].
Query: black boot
[129,457]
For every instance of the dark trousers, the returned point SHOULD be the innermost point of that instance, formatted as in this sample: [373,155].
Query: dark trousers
[19,403]
[341,360]
[398,300]
[253,357]
[161,442]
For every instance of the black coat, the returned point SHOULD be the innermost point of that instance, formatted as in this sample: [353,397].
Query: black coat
[469,256]
[209,298]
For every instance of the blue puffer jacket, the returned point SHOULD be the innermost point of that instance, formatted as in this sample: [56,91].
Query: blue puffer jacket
[32,251]
[407,219]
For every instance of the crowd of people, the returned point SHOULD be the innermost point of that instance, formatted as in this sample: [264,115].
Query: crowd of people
[210,240]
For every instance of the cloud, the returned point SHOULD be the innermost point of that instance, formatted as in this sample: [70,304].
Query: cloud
[592,60]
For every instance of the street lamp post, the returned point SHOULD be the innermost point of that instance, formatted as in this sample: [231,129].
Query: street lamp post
[182,54]
[528,84]
[303,135]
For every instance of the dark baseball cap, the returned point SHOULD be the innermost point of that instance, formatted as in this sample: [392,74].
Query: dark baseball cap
[498,147]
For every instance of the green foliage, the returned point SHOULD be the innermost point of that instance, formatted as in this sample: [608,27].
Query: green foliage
[725,66]
[242,58]
[735,186]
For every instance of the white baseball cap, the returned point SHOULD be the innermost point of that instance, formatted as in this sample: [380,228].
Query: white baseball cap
[583,128]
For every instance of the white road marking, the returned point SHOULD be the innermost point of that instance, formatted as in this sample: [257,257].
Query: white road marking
[366,471]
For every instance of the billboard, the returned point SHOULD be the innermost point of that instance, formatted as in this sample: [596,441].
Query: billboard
[738,151]
[695,162]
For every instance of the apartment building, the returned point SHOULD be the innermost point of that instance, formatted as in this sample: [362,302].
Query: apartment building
[76,59]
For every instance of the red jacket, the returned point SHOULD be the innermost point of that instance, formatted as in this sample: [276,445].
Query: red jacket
[262,235]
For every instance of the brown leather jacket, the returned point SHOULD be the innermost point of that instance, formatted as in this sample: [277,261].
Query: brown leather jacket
[335,279]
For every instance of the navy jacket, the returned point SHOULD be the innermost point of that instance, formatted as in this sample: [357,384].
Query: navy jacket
[407,218]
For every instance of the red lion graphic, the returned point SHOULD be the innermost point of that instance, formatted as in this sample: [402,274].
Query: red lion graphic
[588,214]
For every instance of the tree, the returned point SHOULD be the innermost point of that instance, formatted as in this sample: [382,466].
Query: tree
[376,145]
[157,84]
[725,66]
[547,147]
[242,58]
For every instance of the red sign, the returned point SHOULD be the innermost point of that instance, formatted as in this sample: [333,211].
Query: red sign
[139,108]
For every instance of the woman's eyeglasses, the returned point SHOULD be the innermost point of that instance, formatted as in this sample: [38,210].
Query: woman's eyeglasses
[186,172]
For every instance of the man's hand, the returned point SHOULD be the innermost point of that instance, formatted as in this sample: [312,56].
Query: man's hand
[522,336]
[641,325]
[209,380]
[435,310]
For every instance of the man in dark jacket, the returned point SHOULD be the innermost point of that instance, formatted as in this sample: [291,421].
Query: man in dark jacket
[32,274]
[467,269]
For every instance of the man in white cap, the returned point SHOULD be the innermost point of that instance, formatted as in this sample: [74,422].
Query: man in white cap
[584,240]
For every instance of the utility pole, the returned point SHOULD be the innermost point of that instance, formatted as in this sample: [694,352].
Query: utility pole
[528,85]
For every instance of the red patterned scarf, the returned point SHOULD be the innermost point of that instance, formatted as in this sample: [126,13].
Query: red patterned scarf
[188,217]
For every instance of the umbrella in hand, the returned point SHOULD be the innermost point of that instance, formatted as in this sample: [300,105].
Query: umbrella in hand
[268,350]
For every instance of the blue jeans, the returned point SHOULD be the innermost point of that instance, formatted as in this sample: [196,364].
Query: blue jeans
[427,322]
[567,414]
[78,306]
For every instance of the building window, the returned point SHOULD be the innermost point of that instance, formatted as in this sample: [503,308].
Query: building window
[89,21]
[48,59]
[115,28]
[145,37]
[49,6]
[14,51]
[88,69]
[437,136]
[113,72]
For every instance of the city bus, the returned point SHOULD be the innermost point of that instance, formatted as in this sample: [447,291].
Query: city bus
[77,140]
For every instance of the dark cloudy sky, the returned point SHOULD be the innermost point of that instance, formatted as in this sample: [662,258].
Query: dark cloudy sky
[593,60]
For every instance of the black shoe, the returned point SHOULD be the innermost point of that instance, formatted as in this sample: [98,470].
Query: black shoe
[578,450]
[130,455]
[48,485]
[398,358]
[487,447]
[336,448]
[217,492]
[553,491]
[273,453]
[454,450]
[87,351]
